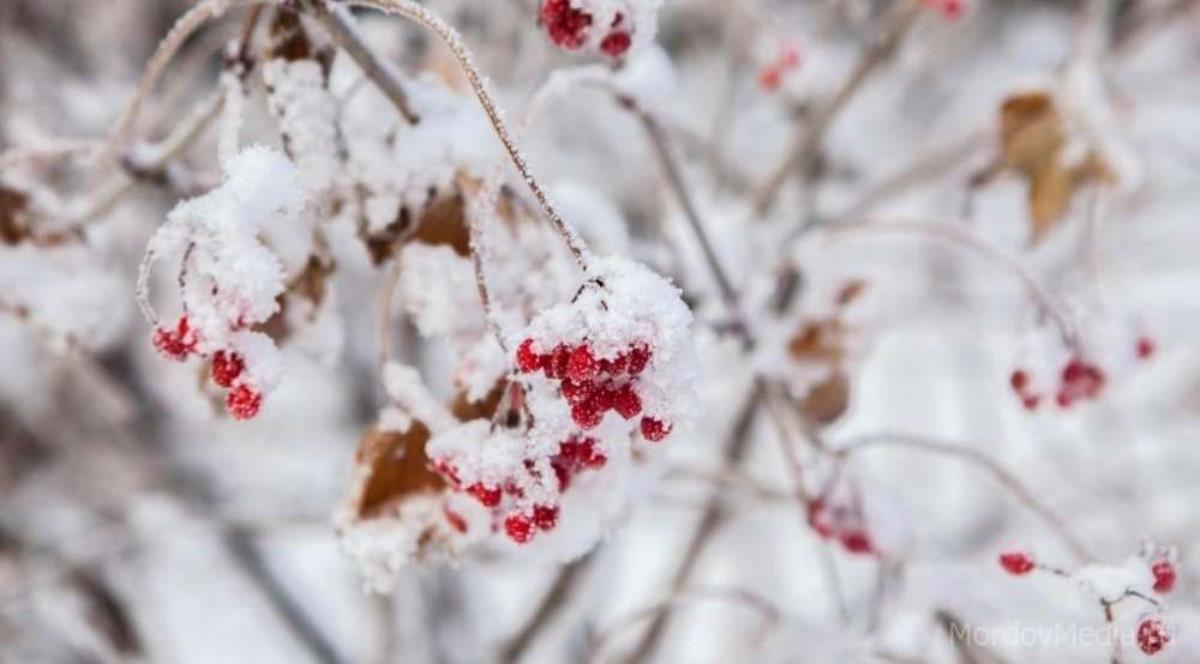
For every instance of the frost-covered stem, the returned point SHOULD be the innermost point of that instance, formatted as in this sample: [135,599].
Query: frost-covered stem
[1010,481]
[764,607]
[482,206]
[48,149]
[896,24]
[386,293]
[191,20]
[675,178]
[339,24]
[960,236]
[453,41]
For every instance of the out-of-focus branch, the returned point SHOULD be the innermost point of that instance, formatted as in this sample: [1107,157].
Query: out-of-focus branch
[808,142]
[981,460]
[560,592]
[340,25]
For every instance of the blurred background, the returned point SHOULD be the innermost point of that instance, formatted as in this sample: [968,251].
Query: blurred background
[953,158]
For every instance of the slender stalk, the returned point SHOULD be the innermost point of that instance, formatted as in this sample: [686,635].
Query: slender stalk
[981,460]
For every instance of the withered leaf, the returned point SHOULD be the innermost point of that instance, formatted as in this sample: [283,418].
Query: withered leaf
[397,467]
[818,341]
[827,401]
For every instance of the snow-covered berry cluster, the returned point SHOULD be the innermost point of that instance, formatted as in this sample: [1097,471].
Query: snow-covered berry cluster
[785,61]
[229,280]
[1079,379]
[610,27]
[593,376]
[1152,636]
[950,9]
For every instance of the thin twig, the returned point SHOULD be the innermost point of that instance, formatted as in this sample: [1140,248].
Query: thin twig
[973,456]
[554,599]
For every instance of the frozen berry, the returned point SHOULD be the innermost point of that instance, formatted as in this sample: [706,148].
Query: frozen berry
[518,527]
[818,519]
[639,357]
[654,430]
[488,496]
[243,403]
[626,402]
[1152,636]
[1017,563]
[586,414]
[1030,402]
[576,392]
[565,25]
[1164,576]
[226,367]
[527,359]
[178,343]
[545,517]
[1145,348]
[856,541]
[582,365]
[1019,380]
[615,44]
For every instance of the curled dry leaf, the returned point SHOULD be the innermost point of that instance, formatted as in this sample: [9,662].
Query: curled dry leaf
[1033,146]
[828,400]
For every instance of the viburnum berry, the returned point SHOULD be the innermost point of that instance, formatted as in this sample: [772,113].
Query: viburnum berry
[518,527]
[1145,348]
[545,517]
[818,518]
[243,403]
[527,359]
[226,367]
[615,44]
[1080,380]
[856,541]
[581,365]
[1152,636]
[1164,576]
[639,357]
[586,414]
[654,430]
[488,496]
[1017,563]
[178,343]
[565,24]
[773,72]
[1019,380]
[627,403]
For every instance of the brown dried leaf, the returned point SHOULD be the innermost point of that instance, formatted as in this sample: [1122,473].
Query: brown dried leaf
[290,40]
[14,216]
[828,400]
[397,467]
[818,341]
[850,292]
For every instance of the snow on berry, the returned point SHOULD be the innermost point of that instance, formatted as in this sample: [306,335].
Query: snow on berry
[1152,636]
[229,280]
[613,28]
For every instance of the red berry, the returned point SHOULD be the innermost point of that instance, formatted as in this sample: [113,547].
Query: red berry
[1064,398]
[565,25]
[243,403]
[770,77]
[1152,636]
[554,365]
[488,496]
[1145,348]
[527,359]
[577,392]
[605,398]
[654,430]
[586,414]
[818,519]
[639,357]
[1017,563]
[226,367]
[176,344]
[626,402]
[545,517]
[1030,402]
[582,365]
[856,541]
[615,44]
[562,471]
[518,527]
[446,469]
[615,366]
[455,520]
[1164,576]
[1019,380]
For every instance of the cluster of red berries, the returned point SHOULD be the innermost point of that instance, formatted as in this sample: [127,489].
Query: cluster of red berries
[1164,576]
[568,25]
[1078,380]
[772,74]
[574,456]
[242,401]
[1152,636]
[846,525]
[593,386]
[951,9]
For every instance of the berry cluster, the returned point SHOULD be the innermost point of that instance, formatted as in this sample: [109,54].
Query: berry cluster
[1164,576]
[523,504]
[1152,636]
[950,9]
[569,25]
[228,366]
[846,524]
[593,385]
[787,60]
[1078,380]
